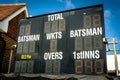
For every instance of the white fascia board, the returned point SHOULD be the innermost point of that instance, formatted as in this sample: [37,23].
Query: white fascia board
[17,12]
[4,25]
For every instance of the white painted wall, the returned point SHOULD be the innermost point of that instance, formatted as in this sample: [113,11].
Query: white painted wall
[111,62]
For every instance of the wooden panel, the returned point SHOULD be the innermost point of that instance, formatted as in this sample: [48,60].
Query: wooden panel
[35,55]
[25,47]
[72,12]
[97,42]
[47,27]
[22,29]
[37,66]
[17,66]
[30,66]
[78,43]
[78,66]
[53,45]
[99,66]
[48,67]
[62,25]
[54,26]
[88,43]
[23,66]
[32,47]
[27,29]
[19,47]
[56,66]
[88,66]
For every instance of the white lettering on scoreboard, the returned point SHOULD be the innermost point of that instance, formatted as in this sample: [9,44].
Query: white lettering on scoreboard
[86,32]
[54,35]
[86,54]
[27,38]
[53,55]
[55,17]
[94,54]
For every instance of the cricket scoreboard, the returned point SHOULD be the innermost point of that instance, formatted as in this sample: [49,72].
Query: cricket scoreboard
[67,42]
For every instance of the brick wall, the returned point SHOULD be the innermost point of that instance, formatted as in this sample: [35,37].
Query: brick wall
[13,25]
[2,51]
[10,38]
[9,43]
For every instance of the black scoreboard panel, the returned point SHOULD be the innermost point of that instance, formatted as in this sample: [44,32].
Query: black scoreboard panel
[29,52]
[55,45]
[65,42]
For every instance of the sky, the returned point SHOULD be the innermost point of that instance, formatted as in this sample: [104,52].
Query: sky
[111,12]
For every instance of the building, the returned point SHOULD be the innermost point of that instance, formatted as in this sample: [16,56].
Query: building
[111,63]
[10,14]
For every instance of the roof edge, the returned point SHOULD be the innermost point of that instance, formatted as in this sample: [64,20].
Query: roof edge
[14,4]
[20,4]
[96,5]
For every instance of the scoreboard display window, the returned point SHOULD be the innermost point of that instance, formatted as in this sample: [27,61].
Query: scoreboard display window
[17,66]
[54,27]
[23,66]
[88,66]
[21,30]
[67,42]
[87,21]
[79,66]
[78,43]
[47,27]
[30,65]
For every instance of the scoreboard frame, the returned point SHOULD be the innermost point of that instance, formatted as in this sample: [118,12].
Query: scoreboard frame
[63,42]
